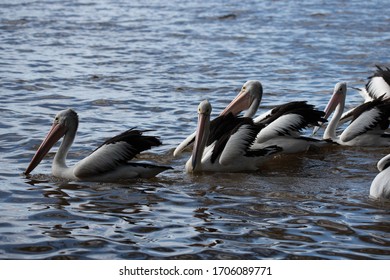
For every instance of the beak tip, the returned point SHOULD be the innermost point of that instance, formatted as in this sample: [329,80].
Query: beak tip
[193,164]
[29,169]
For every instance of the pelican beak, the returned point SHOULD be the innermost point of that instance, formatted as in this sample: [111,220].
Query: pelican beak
[329,109]
[332,104]
[55,133]
[200,140]
[315,130]
[240,103]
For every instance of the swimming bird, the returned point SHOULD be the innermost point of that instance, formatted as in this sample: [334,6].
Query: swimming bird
[283,123]
[226,147]
[248,99]
[367,128]
[377,86]
[380,186]
[109,162]
[288,120]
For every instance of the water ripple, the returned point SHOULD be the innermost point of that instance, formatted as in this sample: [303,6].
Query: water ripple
[148,65]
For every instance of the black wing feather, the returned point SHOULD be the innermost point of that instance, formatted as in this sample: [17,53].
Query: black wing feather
[231,127]
[136,140]
[311,116]
[380,72]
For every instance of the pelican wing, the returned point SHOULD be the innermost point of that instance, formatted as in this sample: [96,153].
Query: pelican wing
[348,116]
[374,120]
[379,83]
[291,123]
[284,125]
[261,118]
[236,143]
[363,93]
[115,152]
[281,110]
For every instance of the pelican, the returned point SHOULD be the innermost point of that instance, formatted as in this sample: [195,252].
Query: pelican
[109,162]
[380,186]
[248,99]
[284,124]
[368,125]
[378,86]
[229,144]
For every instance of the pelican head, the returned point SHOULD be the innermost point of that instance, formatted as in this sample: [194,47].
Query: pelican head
[383,163]
[338,97]
[202,134]
[64,121]
[248,98]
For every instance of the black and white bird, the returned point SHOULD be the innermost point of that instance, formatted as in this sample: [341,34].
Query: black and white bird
[368,125]
[377,86]
[226,147]
[109,162]
[248,100]
[283,123]
[380,186]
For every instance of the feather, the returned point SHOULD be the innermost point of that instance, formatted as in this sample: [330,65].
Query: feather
[379,83]
[238,142]
[114,152]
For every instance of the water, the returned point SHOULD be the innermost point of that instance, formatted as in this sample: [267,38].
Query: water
[121,64]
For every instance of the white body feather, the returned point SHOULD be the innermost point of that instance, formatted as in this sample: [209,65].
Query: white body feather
[380,186]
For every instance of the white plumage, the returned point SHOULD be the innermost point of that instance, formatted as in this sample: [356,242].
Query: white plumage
[366,121]
[248,99]
[236,145]
[368,125]
[283,125]
[109,162]
[377,86]
[228,148]
[380,186]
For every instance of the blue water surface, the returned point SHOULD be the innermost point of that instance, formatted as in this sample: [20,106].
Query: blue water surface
[148,64]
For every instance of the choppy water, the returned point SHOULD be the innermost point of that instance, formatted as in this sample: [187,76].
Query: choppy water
[122,64]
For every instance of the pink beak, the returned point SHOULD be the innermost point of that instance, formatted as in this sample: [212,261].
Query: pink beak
[332,104]
[240,103]
[55,133]
[199,139]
